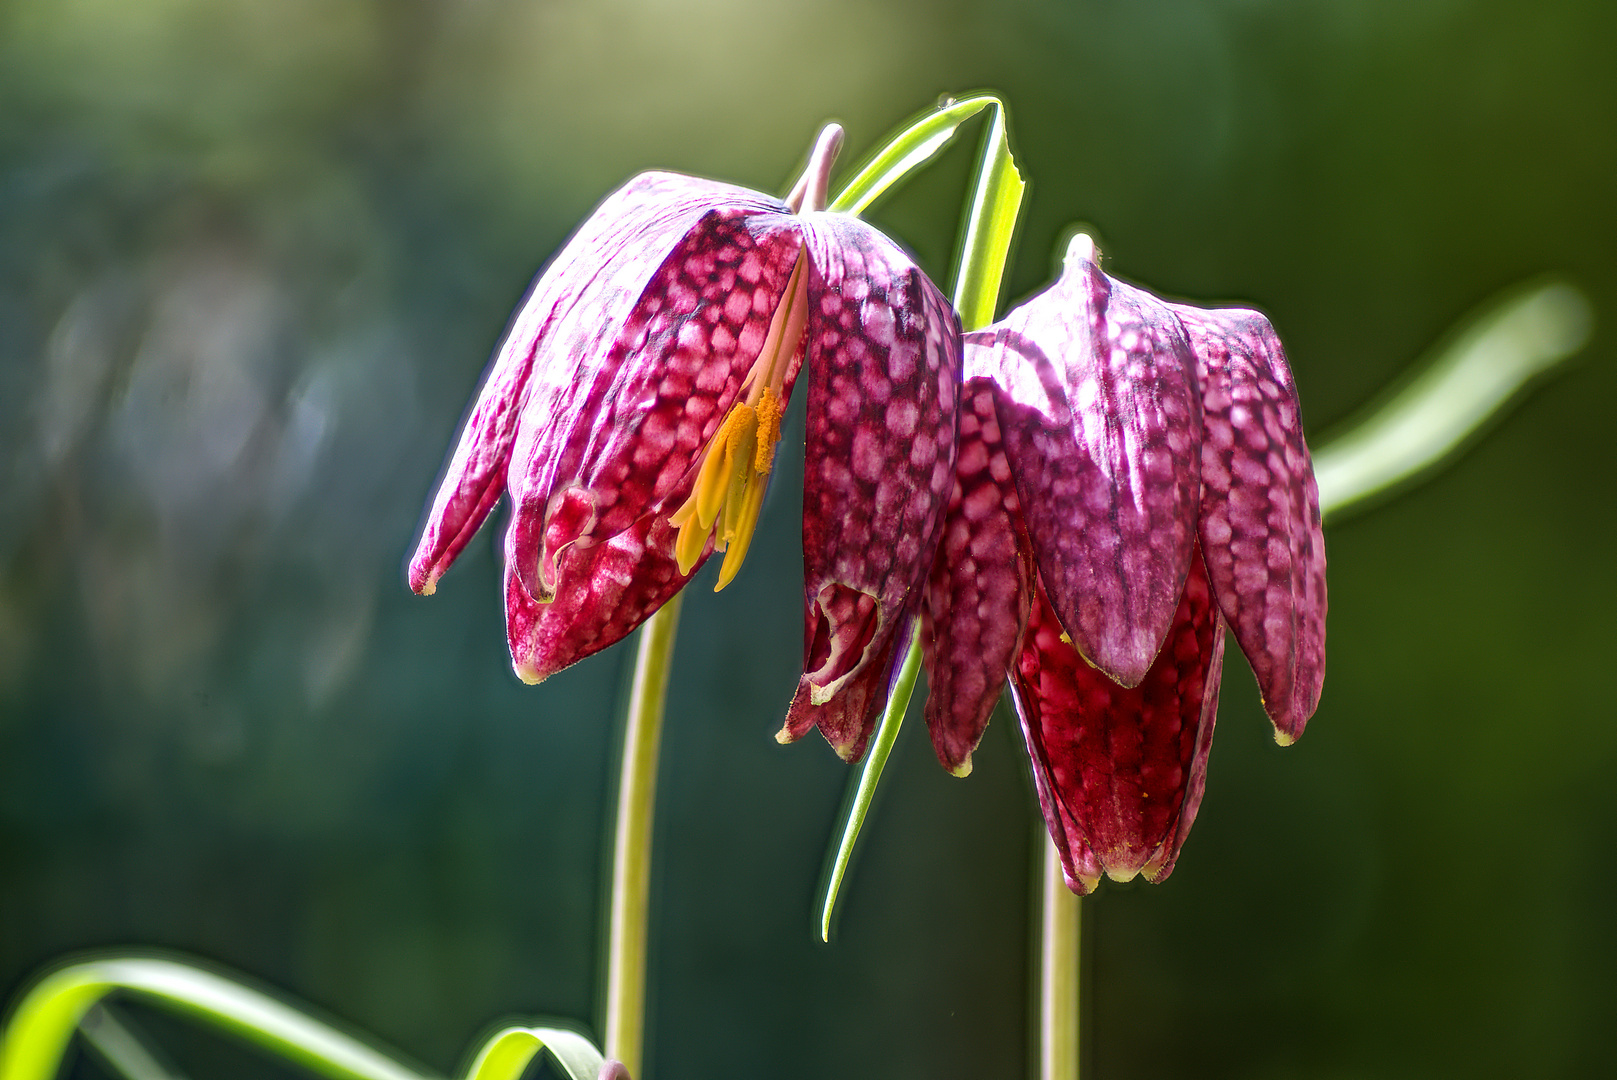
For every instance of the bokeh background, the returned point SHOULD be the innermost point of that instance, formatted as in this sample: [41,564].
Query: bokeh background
[253,259]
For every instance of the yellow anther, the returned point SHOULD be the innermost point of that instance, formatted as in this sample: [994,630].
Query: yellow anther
[769,413]
[739,452]
[729,491]
[746,524]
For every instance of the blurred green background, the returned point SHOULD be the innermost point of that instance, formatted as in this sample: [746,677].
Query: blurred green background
[253,259]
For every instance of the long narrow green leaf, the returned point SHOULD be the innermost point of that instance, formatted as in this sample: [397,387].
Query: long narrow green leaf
[1501,348]
[996,201]
[907,151]
[37,1035]
[875,761]
[507,1054]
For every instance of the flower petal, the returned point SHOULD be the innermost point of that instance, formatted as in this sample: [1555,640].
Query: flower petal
[607,590]
[1260,519]
[1101,420]
[1120,770]
[848,718]
[978,594]
[475,475]
[883,361]
[634,379]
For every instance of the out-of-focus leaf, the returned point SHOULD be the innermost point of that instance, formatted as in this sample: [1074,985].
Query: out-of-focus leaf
[36,1037]
[1494,354]
[123,1051]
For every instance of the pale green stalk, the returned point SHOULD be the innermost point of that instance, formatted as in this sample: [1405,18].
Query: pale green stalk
[631,849]
[907,151]
[1060,923]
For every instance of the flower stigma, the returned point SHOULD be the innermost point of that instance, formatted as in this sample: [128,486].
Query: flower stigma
[734,474]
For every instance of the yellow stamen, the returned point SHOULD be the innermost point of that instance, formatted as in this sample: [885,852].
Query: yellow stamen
[729,491]
[769,413]
[739,453]
[741,538]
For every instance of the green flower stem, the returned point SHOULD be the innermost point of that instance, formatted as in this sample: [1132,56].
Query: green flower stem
[631,850]
[1059,944]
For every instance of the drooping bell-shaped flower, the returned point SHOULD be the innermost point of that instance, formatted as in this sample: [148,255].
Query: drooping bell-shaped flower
[633,414]
[1132,477]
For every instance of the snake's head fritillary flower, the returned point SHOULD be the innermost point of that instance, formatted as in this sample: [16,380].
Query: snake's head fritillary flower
[633,414]
[1132,478]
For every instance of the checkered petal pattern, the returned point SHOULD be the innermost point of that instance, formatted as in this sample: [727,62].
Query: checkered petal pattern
[883,359]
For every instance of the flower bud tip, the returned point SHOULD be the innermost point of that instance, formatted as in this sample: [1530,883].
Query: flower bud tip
[1284,738]
[1081,248]
[963,769]
[527,673]
[809,193]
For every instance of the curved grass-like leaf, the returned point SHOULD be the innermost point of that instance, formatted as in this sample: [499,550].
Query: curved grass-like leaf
[37,1034]
[870,774]
[1495,353]
[120,1047]
[508,1052]
[996,202]
[907,151]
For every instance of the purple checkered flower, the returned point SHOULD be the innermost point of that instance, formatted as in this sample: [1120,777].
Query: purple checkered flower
[633,414]
[1132,478]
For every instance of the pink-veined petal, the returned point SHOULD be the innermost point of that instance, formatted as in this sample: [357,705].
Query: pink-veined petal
[883,360]
[979,589]
[1101,421]
[1119,770]
[848,718]
[629,386]
[1260,518]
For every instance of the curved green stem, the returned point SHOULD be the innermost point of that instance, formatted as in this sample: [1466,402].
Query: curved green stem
[631,851]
